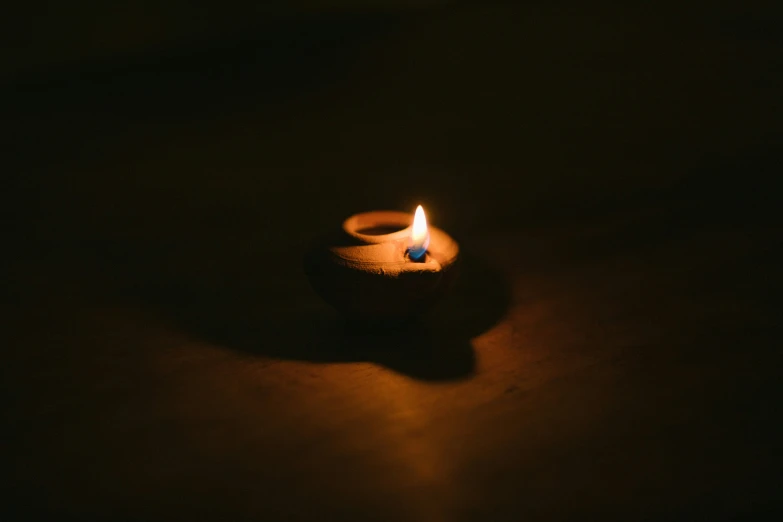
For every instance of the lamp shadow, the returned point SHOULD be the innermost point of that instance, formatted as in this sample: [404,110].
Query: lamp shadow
[433,347]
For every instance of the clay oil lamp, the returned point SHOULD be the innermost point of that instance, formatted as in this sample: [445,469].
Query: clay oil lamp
[383,265]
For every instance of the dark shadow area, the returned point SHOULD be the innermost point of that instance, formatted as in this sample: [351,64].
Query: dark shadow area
[282,54]
[434,347]
[285,59]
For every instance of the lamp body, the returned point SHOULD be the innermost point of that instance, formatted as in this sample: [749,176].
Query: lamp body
[364,271]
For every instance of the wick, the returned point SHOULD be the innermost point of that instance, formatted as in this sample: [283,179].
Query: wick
[416,259]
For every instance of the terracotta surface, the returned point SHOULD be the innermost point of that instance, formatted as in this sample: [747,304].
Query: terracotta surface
[370,276]
[611,351]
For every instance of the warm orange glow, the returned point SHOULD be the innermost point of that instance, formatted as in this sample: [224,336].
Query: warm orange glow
[420,235]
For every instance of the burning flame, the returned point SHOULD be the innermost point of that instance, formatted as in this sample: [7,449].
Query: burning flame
[420,235]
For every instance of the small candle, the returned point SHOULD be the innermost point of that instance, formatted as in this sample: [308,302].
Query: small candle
[383,265]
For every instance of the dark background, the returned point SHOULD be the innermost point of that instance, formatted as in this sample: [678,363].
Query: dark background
[613,348]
